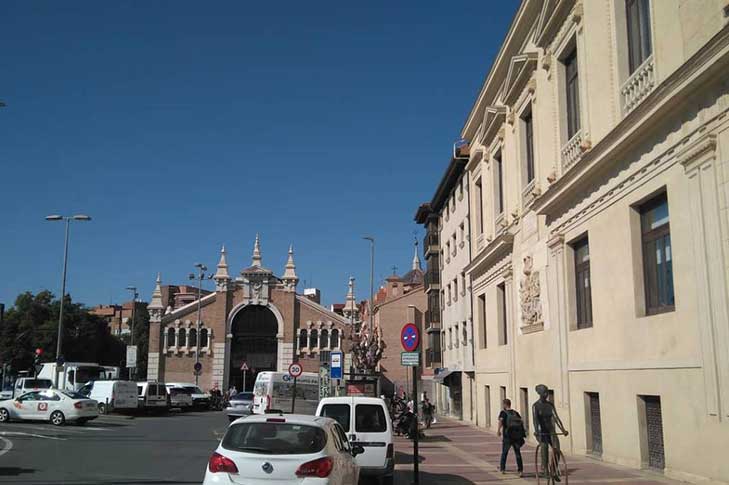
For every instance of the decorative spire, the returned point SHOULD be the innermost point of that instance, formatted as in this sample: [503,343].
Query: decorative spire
[156,303]
[416,258]
[221,275]
[289,277]
[257,252]
[350,305]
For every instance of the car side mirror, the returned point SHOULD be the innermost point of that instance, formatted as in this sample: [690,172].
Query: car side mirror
[357,450]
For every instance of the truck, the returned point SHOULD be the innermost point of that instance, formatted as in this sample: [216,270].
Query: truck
[72,376]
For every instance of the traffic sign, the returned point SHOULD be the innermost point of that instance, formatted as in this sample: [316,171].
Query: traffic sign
[131,356]
[410,359]
[410,337]
[336,365]
[244,366]
[295,370]
[197,366]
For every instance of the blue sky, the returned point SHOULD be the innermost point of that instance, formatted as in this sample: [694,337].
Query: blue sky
[180,126]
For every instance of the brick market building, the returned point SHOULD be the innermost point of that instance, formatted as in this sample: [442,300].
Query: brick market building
[256,317]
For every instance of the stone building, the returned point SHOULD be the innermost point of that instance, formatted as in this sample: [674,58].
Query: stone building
[598,172]
[449,317]
[399,301]
[118,317]
[256,317]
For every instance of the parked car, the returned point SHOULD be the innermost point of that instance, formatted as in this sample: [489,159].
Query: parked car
[112,395]
[293,448]
[52,405]
[200,398]
[179,397]
[152,396]
[367,422]
[27,384]
[240,405]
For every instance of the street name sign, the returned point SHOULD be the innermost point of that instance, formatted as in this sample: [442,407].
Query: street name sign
[410,359]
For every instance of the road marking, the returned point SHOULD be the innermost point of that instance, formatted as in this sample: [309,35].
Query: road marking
[20,433]
[8,445]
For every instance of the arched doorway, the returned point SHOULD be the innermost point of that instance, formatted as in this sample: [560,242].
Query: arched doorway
[254,329]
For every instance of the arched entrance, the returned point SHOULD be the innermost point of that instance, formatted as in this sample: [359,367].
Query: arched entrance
[254,329]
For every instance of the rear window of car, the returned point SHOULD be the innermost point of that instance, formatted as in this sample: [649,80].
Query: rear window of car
[243,396]
[338,412]
[175,391]
[370,418]
[74,395]
[274,438]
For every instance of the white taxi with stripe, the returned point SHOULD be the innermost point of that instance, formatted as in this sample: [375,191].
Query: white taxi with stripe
[52,405]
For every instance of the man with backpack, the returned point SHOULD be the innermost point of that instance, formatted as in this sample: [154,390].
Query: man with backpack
[511,427]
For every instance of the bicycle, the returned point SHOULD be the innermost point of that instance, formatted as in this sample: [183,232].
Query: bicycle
[556,464]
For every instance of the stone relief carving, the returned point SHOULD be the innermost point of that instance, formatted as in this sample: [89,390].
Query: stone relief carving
[529,289]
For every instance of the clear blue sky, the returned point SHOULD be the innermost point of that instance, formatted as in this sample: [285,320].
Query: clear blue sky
[180,126]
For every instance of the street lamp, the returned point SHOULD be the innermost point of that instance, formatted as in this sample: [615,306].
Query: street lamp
[372,280]
[200,276]
[67,219]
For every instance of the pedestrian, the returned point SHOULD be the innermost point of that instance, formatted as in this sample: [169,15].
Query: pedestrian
[232,392]
[511,428]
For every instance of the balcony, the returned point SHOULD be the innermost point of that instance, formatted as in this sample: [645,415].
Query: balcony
[572,151]
[432,279]
[638,85]
[432,357]
[431,243]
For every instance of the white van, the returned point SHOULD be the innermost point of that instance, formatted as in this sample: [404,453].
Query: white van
[152,396]
[274,390]
[112,395]
[72,376]
[367,424]
[27,384]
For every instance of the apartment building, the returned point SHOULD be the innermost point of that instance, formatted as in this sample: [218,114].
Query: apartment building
[598,180]
[450,326]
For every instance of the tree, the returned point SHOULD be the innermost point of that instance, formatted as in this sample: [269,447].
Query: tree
[33,323]
[141,339]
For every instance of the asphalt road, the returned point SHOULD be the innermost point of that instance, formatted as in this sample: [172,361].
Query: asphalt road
[111,450]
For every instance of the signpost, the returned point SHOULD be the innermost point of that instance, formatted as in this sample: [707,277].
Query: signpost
[131,356]
[410,340]
[324,381]
[336,365]
[198,368]
[295,371]
[244,370]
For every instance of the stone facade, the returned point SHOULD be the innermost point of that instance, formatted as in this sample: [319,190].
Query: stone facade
[598,169]
[174,333]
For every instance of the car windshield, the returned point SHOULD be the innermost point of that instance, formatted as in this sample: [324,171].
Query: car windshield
[338,412]
[74,395]
[175,391]
[273,438]
[243,396]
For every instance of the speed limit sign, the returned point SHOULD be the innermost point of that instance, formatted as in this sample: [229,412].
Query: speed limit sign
[295,370]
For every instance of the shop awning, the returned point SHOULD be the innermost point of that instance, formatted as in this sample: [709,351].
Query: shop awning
[442,374]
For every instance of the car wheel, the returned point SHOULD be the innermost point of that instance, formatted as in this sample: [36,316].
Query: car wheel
[57,418]
[4,415]
[102,408]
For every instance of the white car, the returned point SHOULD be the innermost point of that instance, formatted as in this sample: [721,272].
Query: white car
[200,398]
[51,405]
[367,422]
[281,449]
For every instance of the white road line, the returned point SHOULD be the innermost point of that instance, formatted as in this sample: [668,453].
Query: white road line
[8,445]
[20,433]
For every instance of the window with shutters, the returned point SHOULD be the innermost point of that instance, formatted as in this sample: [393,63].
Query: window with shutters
[657,255]
[594,423]
[583,286]
[572,93]
[501,314]
[638,19]
[527,124]
[482,320]
[498,184]
[479,206]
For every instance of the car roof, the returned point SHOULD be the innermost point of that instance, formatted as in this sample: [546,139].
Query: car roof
[351,399]
[306,419]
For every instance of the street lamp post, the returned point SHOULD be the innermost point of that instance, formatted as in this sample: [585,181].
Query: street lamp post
[135,295]
[200,276]
[67,220]
[372,281]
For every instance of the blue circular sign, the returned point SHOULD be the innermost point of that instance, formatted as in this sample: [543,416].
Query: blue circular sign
[410,337]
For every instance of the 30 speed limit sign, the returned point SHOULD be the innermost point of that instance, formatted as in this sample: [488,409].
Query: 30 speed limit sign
[295,370]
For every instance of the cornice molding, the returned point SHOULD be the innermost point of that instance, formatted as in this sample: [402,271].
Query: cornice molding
[520,72]
[702,150]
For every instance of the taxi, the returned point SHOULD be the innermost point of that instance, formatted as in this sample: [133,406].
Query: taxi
[52,405]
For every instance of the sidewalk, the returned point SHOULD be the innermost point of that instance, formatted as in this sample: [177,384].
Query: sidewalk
[457,453]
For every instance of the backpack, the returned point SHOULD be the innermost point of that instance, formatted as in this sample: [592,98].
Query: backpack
[514,426]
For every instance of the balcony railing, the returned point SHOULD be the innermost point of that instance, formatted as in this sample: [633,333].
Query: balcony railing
[572,151]
[638,85]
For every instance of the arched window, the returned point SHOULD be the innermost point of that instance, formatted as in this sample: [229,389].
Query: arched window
[182,337]
[324,339]
[192,338]
[203,338]
[303,339]
[334,339]
[314,338]
[170,337]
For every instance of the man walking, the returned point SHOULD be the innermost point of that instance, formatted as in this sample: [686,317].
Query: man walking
[511,427]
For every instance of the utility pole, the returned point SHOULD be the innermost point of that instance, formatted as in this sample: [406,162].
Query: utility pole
[200,276]
[59,342]
[370,325]
[135,295]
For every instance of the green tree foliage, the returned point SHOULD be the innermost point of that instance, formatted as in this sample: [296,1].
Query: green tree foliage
[33,323]
[141,339]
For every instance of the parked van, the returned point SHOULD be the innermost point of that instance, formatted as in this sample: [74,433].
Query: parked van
[27,384]
[179,397]
[200,398]
[274,390]
[72,376]
[112,395]
[152,395]
[367,423]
